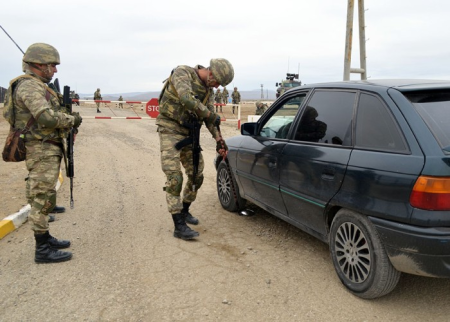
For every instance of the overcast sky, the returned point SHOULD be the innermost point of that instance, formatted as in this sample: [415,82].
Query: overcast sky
[131,46]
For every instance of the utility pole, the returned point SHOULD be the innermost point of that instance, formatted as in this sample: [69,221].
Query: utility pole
[262,91]
[348,42]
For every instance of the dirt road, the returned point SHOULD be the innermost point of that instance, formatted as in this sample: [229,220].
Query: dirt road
[128,267]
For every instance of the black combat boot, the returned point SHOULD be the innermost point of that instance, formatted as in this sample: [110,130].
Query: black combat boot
[45,253]
[188,216]
[181,229]
[58,243]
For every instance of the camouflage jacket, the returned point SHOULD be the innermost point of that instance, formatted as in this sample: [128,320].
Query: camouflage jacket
[218,97]
[172,113]
[236,96]
[33,98]
[225,93]
[97,95]
[260,110]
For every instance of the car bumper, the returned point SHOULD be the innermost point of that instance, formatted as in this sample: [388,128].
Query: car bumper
[416,250]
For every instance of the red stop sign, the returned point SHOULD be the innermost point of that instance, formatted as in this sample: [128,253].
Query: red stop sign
[152,108]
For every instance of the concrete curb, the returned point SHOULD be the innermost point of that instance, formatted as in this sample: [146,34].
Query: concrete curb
[14,221]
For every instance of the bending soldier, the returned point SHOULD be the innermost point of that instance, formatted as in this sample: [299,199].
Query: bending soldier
[185,104]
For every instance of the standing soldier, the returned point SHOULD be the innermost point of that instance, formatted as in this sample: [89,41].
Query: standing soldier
[77,97]
[120,99]
[34,105]
[225,95]
[218,99]
[236,97]
[185,105]
[98,97]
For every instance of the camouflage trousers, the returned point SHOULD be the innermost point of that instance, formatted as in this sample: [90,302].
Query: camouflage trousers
[171,162]
[43,163]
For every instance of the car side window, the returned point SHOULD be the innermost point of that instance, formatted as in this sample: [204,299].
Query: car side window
[278,125]
[327,118]
[375,126]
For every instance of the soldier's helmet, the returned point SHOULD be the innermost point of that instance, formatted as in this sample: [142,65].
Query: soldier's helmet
[41,53]
[222,71]
[98,89]
[235,88]
[258,103]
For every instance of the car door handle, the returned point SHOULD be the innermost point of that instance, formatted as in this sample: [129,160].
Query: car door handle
[328,174]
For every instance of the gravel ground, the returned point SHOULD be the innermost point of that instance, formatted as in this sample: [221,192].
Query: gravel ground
[127,266]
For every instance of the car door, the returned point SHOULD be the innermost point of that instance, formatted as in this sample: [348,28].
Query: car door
[314,161]
[258,163]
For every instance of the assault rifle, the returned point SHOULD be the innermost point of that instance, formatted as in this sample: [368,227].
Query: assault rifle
[67,103]
[194,138]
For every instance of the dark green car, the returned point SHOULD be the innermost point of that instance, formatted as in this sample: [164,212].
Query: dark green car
[362,165]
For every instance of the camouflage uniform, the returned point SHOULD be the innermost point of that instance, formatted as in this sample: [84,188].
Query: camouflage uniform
[44,145]
[218,99]
[30,99]
[172,113]
[97,97]
[236,98]
[77,97]
[225,95]
[120,99]
[260,108]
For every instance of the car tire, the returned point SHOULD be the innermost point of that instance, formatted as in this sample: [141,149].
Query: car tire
[359,257]
[227,189]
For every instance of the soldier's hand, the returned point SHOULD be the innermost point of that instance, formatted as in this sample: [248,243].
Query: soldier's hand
[77,119]
[221,147]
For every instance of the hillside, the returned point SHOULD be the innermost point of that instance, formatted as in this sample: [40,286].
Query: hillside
[146,96]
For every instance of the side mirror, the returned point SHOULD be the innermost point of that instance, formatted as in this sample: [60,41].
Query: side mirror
[248,128]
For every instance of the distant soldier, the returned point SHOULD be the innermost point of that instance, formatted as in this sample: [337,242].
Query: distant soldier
[218,99]
[225,95]
[236,98]
[98,97]
[260,108]
[77,97]
[120,99]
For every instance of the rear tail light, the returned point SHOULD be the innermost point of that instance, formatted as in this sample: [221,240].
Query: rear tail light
[431,193]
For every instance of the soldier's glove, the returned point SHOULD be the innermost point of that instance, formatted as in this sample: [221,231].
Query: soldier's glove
[77,119]
[221,147]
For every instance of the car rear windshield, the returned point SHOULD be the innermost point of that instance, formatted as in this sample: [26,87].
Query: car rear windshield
[434,108]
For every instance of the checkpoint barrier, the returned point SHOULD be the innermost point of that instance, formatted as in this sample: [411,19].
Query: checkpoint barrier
[151,108]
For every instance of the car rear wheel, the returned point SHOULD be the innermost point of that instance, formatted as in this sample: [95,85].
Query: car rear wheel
[359,257]
[227,189]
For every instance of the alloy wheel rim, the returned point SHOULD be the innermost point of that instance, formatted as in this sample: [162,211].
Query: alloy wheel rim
[224,186]
[353,253]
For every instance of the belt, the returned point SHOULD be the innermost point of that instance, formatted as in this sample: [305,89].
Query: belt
[57,143]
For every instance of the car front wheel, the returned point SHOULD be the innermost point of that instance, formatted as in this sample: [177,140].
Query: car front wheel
[227,189]
[359,257]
